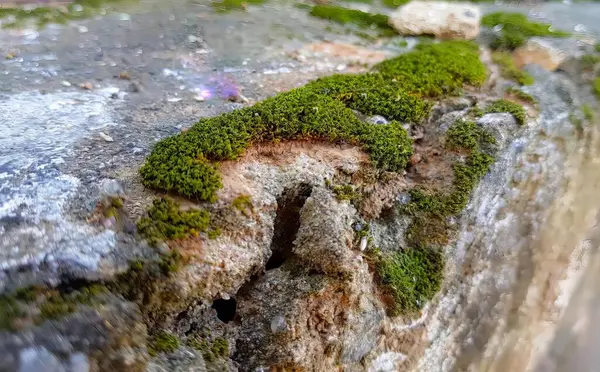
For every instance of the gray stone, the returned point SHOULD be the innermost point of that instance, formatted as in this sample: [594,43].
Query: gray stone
[111,188]
[442,19]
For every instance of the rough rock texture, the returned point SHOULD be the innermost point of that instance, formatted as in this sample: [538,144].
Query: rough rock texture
[324,240]
[302,321]
[540,52]
[219,267]
[182,360]
[442,19]
[107,338]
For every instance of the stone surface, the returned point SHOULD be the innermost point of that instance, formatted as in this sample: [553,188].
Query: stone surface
[324,240]
[540,52]
[442,19]
[108,338]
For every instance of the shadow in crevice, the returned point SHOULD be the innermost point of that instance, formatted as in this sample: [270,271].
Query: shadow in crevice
[287,223]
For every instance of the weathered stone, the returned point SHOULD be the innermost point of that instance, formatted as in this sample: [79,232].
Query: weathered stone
[442,19]
[324,239]
[108,338]
[540,52]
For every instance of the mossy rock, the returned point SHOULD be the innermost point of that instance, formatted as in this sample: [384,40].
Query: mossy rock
[321,110]
[225,6]
[516,29]
[434,70]
[166,221]
[411,277]
[508,69]
[162,342]
[355,17]
[503,105]
[519,94]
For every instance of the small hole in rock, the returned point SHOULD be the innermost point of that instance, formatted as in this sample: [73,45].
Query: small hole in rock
[225,309]
[287,223]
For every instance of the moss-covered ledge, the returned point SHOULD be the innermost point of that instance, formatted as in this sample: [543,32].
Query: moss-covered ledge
[398,88]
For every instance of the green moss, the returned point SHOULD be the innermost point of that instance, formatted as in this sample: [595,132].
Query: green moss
[170,263]
[588,61]
[166,221]
[214,233]
[597,47]
[345,192]
[516,29]
[58,305]
[355,17]
[411,277]
[596,87]
[588,113]
[394,3]
[243,203]
[136,265]
[43,16]
[162,342]
[508,69]
[466,135]
[476,112]
[519,94]
[401,43]
[10,310]
[436,69]
[116,202]
[218,348]
[373,94]
[224,6]
[321,110]
[503,105]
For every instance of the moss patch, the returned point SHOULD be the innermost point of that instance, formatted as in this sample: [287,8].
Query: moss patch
[436,69]
[373,94]
[346,192]
[243,203]
[224,6]
[516,29]
[355,17]
[38,304]
[503,105]
[508,69]
[321,110]
[520,95]
[587,111]
[466,135]
[210,350]
[413,275]
[596,87]
[166,221]
[42,16]
[162,342]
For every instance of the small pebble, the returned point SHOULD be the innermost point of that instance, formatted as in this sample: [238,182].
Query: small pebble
[363,243]
[105,137]
[82,29]
[66,83]
[124,75]
[87,85]
[199,98]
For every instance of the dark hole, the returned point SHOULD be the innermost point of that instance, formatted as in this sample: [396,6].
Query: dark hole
[287,222]
[225,309]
